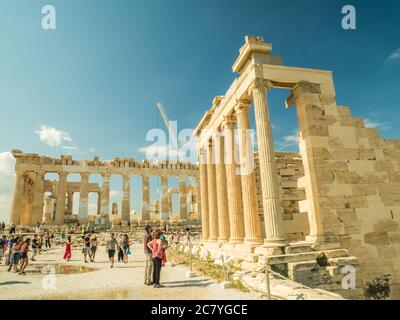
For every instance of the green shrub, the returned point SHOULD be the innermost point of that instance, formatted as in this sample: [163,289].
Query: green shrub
[378,288]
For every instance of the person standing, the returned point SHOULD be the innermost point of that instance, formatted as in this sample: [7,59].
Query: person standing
[15,254]
[3,243]
[62,235]
[126,248]
[12,228]
[147,251]
[86,248]
[35,247]
[47,239]
[68,252]
[93,247]
[24,255]
[110,248]
[119,248]
[155,246]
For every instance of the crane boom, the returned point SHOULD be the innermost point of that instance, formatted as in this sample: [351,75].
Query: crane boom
[170,129]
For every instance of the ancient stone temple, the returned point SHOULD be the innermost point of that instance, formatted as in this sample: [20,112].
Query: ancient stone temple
[36,199]
[339,197]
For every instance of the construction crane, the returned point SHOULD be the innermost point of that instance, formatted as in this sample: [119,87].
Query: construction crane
[170,128]
[171,131]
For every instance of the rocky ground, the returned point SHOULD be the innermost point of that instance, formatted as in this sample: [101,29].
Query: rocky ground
[124,281]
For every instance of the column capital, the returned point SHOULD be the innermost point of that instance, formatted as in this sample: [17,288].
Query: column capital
[242,105]
[229,122]
[85,175]
[261,85]
[41,173]
[106,175]
[62,174]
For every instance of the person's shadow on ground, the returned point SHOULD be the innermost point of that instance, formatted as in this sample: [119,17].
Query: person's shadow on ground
[187,283]
[13,282]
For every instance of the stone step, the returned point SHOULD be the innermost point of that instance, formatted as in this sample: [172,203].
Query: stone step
[343,261]
[298,248]
[337,253]
[288,258]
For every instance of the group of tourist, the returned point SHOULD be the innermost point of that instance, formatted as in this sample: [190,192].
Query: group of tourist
[14,249]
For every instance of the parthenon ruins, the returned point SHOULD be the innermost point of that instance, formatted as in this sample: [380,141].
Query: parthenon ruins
[30,206]
[344,183]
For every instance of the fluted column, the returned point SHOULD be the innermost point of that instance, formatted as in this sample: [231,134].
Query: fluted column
[105,197]
[145,198]
[182,198]
[197,208]
[84,196]
[70,202]
[38,198]
[248,179]
[268,172]
[236,222]
[61,195]
[99,203]
[222,199]
[164,198]
[212,194]
[205,224]
[17,203]
[126,198]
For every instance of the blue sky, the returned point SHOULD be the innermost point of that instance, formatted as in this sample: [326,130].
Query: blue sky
[97,77]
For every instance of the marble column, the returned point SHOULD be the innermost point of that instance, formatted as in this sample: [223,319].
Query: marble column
[61,195]
[27,198]
[105,197]
[248,179]
[236,222]
[205,225]
[70,202]
[38,198]
[222,199]
[268,172]
[183,214]
[99,203]
[126,198]
[197,207]
[212,194]
[164,198]
[17,203]
[145,198]
[84,196]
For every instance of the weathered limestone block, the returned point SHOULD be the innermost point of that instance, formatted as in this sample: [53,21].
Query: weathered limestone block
[345,153]
[383,165]
[344,111]
[343,261]
[363,189]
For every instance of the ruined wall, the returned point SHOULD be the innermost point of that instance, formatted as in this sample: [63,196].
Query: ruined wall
[290,169]
[352,184]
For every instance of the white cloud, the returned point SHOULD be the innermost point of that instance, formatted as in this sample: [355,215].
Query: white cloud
[288,142]
[7,177]
[52,136]
[376,124]
[395,55]
[114,194]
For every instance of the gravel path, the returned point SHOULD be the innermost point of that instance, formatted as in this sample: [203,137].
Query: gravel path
[124,281]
